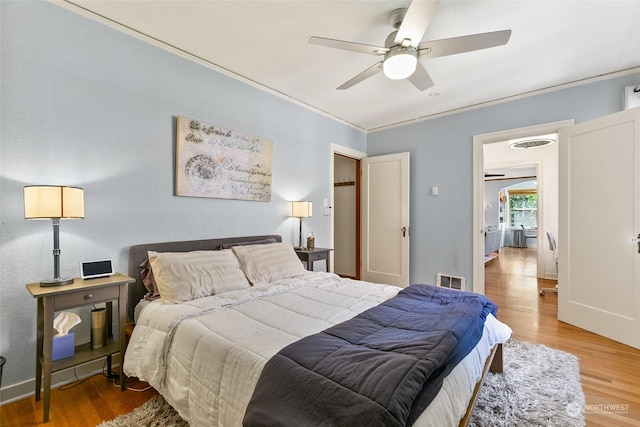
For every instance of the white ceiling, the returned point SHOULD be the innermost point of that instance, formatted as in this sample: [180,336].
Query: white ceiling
[265,42]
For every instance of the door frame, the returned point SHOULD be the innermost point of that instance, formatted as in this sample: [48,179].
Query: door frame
[478,188]
[343,151]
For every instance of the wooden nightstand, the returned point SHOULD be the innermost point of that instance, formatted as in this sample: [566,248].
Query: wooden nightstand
[79,293]
[311,255]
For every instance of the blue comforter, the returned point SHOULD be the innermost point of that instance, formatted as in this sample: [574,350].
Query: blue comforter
[381,368]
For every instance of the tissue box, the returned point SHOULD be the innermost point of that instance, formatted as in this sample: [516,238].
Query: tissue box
[63,346]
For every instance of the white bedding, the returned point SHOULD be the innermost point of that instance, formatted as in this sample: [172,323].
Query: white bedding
[205,356]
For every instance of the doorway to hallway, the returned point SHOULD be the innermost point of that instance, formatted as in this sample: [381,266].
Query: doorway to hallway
[545,161]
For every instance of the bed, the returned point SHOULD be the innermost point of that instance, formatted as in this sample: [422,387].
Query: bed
[210,355]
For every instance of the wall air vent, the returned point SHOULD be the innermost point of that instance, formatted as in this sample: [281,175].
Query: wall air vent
[451,282]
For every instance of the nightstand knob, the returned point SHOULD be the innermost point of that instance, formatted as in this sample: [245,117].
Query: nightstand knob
[88,296]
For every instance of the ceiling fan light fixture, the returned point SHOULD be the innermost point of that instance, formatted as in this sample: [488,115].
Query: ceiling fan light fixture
[400,63]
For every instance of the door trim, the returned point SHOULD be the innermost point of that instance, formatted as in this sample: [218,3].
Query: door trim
[348,152]
[478,187]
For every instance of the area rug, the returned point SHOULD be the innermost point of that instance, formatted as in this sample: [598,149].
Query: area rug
[155,412]
[540,386]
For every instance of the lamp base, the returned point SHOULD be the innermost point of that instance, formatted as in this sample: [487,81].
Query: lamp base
[55,282]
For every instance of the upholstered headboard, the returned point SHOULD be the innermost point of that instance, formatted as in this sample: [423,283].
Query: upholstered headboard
[138,253]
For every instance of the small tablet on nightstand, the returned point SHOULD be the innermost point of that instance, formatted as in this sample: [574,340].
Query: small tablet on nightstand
[95,269]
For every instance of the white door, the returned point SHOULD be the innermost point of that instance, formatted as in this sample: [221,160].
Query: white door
[385,219]
[599,207]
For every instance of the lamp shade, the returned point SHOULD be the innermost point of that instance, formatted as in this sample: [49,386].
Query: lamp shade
[52,201]
[301,209]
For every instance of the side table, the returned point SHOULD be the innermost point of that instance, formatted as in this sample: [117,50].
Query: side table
[311,255]
[79,293]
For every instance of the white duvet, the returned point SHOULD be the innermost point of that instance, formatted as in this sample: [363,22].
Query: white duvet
[205,356]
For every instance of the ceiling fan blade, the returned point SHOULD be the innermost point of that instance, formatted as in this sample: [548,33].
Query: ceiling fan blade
[454,45]
[362,76]
[420,78]
[416,21]
[350,46]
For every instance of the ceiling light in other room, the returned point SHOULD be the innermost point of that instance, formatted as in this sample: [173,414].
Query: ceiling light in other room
[537,141]
[400,63]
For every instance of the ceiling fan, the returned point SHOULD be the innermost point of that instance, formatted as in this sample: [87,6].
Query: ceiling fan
[402,48]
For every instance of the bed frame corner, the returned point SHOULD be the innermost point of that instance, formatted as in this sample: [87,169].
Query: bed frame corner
[494,363]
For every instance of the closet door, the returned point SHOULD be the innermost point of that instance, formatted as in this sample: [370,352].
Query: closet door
[385,219]
[599,207]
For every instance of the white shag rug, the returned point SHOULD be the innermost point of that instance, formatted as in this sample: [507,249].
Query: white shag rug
[540,386]
[155,412]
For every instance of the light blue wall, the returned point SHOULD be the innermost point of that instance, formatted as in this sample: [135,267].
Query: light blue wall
[89,106]
[442,154]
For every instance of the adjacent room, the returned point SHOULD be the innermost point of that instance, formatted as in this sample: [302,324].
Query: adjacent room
[319,212]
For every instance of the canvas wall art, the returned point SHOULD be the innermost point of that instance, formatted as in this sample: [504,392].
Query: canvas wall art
[212,161]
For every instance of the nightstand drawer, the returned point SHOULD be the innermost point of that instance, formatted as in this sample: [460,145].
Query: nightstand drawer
[317,256]
[90,296]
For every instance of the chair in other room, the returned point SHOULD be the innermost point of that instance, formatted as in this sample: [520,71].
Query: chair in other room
[528,234]
[554,249]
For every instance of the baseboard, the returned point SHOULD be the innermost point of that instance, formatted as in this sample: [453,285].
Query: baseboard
[27,388]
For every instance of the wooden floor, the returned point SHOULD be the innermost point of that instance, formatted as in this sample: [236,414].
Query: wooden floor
[87,405]
[610,371]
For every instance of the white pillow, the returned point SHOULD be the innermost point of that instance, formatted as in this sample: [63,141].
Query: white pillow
[183,276]
[269,262]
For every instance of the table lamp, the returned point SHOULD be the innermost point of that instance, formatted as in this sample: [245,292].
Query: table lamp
[301,210]
[55,203]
